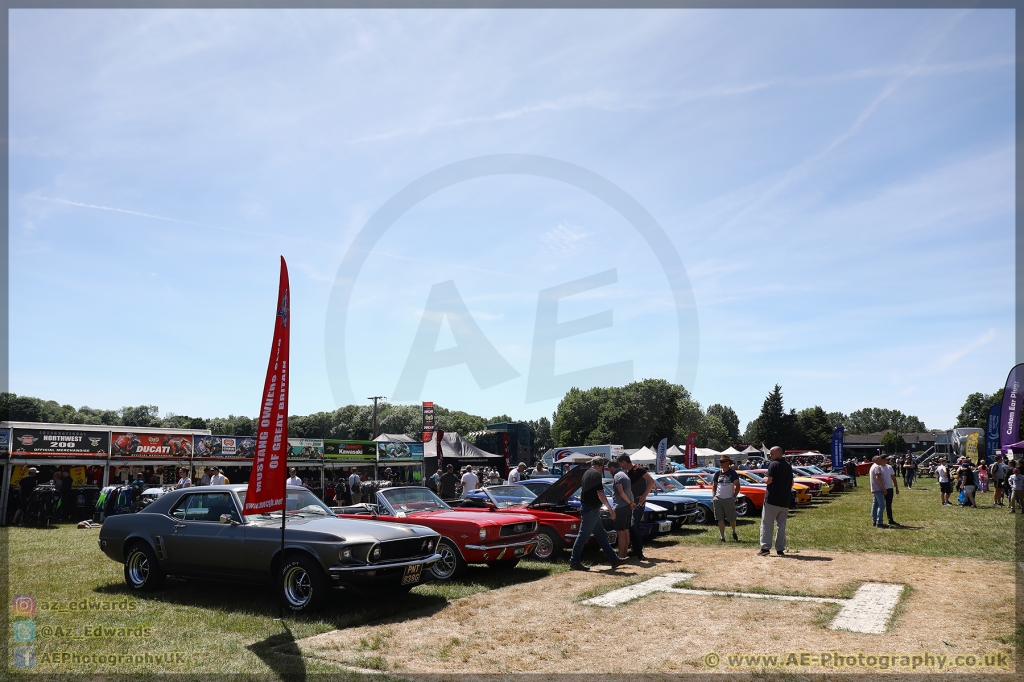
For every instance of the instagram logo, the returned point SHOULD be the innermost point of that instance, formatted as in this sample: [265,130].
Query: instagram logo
[24,605]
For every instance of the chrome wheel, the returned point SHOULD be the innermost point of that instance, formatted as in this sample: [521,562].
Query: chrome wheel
[741,508]
[298,588]
[448,565]
[702,514]
[138,568]
[544,548]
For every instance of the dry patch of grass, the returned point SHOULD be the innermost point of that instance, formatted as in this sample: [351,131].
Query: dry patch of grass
[489,633]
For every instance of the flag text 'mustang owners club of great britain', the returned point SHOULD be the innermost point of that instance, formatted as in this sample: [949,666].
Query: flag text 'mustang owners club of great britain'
[270,460]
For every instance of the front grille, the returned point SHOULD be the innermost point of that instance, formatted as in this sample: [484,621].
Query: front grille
[517,529]
[399,550]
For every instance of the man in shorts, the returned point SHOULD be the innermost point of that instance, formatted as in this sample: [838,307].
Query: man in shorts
[1016,491]
[623,502]
[945,486]
[1000,472]
[725,486]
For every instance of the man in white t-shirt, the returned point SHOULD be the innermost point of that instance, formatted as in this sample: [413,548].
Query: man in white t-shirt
[470,482]
[516,474]
[945,487]
[218,477]
[891,486]
[294,479]
[877,475]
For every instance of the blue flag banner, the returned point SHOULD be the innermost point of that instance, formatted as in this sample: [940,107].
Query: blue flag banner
[992,432]
[837,448]
[662,462]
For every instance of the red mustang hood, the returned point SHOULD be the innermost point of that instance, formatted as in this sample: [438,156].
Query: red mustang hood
[474,519]
[559,491]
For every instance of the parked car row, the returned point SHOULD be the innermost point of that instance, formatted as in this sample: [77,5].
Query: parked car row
[399,538]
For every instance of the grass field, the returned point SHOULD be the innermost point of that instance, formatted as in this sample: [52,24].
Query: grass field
[843,521]
[230,628]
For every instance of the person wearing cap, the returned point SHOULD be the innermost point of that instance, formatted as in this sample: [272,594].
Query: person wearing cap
[778,491]
[205,480]
[516,474]
[945,487]
[967,482]
[891,487]
[592,497]
[725,486]
[877,475]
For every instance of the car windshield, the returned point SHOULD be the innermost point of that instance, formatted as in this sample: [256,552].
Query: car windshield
[408,500]
[505,496]
[300,503]
[751,476]
[815,469]
[683,480]
[670,484]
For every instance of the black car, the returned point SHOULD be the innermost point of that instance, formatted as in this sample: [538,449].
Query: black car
[201,532]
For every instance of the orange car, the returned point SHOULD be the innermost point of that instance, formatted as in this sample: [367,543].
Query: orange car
[816,487]
[755,492]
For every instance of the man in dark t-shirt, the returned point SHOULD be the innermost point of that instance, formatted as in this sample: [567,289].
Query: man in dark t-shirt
[592,496]
[641,484]
[447,483]
[779,484]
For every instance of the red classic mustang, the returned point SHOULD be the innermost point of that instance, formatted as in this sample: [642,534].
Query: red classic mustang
[499,540]
[555,529]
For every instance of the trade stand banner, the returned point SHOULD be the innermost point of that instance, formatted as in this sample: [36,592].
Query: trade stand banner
[150,445]
[5,442]
[225,447]
[305,448]
[397,453]
[59,443]
[354,452]
[972,446]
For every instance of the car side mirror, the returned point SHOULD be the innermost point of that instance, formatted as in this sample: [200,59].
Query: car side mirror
[490,505]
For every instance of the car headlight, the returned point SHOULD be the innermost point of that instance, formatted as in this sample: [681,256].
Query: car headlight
[483,533]
[574,526]
[345,554]
[428,545]
[375,553]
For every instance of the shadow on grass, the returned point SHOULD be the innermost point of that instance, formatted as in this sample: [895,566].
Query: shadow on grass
[804,557]
[344,608]
[281,654]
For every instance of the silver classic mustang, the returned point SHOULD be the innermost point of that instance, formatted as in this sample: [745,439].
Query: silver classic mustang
[201,532]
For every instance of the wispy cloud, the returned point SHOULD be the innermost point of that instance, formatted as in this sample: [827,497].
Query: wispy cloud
[564,239]
[153,216]
[947,360]
[802,169]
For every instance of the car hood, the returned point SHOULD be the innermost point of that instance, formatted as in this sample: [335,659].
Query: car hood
[350,529]
[475,519]
[560,490]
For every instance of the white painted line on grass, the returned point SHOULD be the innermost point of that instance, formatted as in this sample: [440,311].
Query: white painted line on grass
[868,611]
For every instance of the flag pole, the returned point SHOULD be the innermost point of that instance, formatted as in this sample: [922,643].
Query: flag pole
[270,457]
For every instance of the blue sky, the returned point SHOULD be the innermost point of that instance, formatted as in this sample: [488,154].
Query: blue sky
[837,184]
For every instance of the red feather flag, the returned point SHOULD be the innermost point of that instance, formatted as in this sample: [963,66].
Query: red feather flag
[270,460]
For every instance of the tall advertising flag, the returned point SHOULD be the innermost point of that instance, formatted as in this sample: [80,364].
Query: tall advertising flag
[662,455]
[1009,421]
[270,459]
[428,421]
[837,448]
[691,451]
[992,432]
